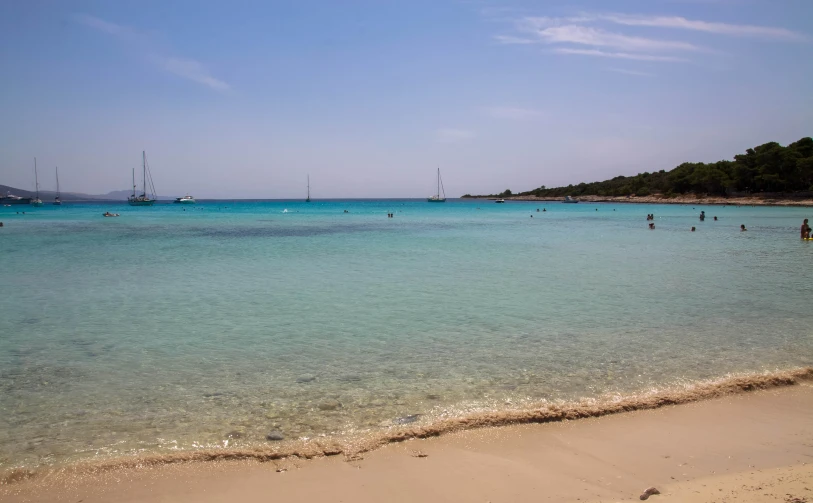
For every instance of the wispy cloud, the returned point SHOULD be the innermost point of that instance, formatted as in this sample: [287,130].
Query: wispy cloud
[186,68]
[597,34]
[594,37]
[617,55]
[194,71]
[104,26]
[512,112]
[740,30]
[630,72]
[510,39]
[453,135]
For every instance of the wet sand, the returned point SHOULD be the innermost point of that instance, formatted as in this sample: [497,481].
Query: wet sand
[754,446]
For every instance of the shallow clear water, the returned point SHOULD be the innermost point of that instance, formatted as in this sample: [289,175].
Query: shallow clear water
[171,326]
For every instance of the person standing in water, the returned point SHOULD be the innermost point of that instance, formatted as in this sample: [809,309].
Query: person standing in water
[805,230]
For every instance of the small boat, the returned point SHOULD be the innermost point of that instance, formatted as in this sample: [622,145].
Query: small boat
[499,201]
[309,190]
[436,198]
[187,199]
[569,199]
[57,199]
[108,214]
[10,199]
[143,199]
[36,201]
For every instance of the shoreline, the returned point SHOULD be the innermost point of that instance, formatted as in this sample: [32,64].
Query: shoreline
[358,447]
[741,442]
[712,201]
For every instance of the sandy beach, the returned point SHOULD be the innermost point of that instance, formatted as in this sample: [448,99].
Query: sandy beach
[752,446]
[686,199]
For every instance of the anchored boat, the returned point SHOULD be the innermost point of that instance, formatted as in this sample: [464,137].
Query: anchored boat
[57,199]
[436,198]
[143,199]
[10,199]
[36,201]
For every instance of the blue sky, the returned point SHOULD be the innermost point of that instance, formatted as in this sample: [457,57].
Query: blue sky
[245,98]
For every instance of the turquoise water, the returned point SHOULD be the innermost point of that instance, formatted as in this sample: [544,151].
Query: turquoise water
[170,327]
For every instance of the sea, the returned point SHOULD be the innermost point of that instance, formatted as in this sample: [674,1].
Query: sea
[253,325]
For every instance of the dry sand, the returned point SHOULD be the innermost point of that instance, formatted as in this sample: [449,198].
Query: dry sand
[750,447]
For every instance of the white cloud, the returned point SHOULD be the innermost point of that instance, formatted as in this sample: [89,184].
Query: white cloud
[587,35]
[510,39]
[741,30]
[194,71]
[452,135]
[618,55]
[105,26]
[512,112]
[594,37]
[630,72]
[182,67]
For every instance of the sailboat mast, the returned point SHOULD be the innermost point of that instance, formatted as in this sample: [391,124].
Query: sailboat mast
[57,182]
[438,183]
[134,185]
[144,171]
[309,187]
[36,179]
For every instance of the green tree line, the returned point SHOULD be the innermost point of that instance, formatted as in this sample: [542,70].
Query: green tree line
[766,168]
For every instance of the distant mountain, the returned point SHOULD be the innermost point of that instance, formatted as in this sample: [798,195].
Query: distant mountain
[117,195]
[48,195]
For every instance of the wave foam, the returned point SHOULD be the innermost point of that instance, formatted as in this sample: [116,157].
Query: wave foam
[356,446]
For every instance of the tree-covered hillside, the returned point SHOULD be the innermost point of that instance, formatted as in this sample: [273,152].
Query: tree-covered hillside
[766,168]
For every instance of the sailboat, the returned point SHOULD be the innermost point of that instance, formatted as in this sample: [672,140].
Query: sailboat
[36,201]
[436,198]
[57,199]
[309,190]
[143,199]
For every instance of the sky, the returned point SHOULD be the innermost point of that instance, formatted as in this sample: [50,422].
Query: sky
[245,99]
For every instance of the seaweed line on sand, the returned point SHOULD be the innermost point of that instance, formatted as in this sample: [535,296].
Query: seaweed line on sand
[353,448]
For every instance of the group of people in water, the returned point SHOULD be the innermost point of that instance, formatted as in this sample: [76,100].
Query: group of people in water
[651,216]
[805,230]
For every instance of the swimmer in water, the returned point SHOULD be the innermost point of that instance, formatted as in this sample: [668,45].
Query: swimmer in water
[742,228]
[692,229]
[805,230]
[715,219]
[652,226]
